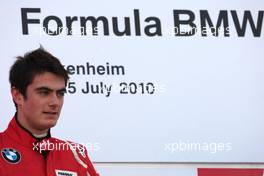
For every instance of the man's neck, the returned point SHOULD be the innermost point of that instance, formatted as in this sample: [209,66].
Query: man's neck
[40,135]
[35,133]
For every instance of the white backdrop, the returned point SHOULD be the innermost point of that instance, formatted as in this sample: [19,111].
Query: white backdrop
[209,92]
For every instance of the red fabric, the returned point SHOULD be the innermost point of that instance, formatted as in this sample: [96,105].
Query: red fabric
[54,161]
[229,172]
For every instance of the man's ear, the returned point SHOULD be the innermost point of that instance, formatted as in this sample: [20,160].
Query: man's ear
[18,98]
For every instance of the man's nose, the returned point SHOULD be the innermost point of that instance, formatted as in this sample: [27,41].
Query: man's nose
[54,100]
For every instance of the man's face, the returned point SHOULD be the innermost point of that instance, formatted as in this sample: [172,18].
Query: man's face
[41,107]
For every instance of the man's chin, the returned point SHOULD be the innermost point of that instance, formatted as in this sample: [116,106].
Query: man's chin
[50,124]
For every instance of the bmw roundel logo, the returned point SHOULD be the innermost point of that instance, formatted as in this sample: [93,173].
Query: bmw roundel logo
[11,155]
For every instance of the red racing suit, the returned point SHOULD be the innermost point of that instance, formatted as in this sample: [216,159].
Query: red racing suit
[24,155]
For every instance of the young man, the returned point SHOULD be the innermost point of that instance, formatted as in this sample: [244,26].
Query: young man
[38,83]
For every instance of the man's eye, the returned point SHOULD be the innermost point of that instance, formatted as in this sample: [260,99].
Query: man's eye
[61,94]
[44,93]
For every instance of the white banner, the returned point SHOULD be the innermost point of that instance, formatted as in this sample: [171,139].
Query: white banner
[168,81]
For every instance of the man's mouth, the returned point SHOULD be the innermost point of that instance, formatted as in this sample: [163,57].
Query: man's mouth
[50,113]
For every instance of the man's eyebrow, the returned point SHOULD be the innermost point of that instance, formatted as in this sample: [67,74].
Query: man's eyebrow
[62,90]
[49,89]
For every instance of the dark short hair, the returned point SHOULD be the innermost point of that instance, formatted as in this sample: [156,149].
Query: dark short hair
[35,62]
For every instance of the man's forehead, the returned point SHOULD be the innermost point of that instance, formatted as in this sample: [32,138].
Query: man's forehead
[47,75]
[48,80]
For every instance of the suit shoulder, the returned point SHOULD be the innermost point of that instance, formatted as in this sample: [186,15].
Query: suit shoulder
[80,154]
